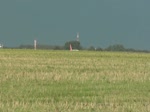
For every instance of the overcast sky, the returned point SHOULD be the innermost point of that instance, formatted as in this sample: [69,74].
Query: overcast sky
[53,22]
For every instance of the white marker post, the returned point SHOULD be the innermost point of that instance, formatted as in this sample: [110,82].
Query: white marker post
[35,44]
[1,45]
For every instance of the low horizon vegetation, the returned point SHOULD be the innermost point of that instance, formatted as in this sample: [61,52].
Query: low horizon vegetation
[54,81]
[77,45]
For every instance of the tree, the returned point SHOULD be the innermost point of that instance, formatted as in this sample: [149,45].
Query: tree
[91,48]
[74,44]
[99,49]
[116,47]
[58,47]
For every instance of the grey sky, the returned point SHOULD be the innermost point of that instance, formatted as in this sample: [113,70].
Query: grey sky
[53,22]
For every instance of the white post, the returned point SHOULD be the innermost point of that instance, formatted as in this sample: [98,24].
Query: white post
[35,44]
[77,36]
[1,45]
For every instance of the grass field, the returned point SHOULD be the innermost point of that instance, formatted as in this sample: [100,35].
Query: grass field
[84,81]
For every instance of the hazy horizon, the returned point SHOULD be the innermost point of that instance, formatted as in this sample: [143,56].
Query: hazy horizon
[53,22]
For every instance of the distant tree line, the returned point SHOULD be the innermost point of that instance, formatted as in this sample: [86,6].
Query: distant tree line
[40,46]
[74,44]
[116,47]
[77,45]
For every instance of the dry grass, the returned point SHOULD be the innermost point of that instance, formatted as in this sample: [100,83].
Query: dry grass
[63,81]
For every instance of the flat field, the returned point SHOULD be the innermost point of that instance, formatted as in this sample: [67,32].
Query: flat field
[84,81]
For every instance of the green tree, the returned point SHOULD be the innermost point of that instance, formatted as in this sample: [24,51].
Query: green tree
[99,49]
[74,44]
[91,48]
[116,47]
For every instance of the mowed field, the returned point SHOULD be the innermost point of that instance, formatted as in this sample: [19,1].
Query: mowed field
[64,81]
